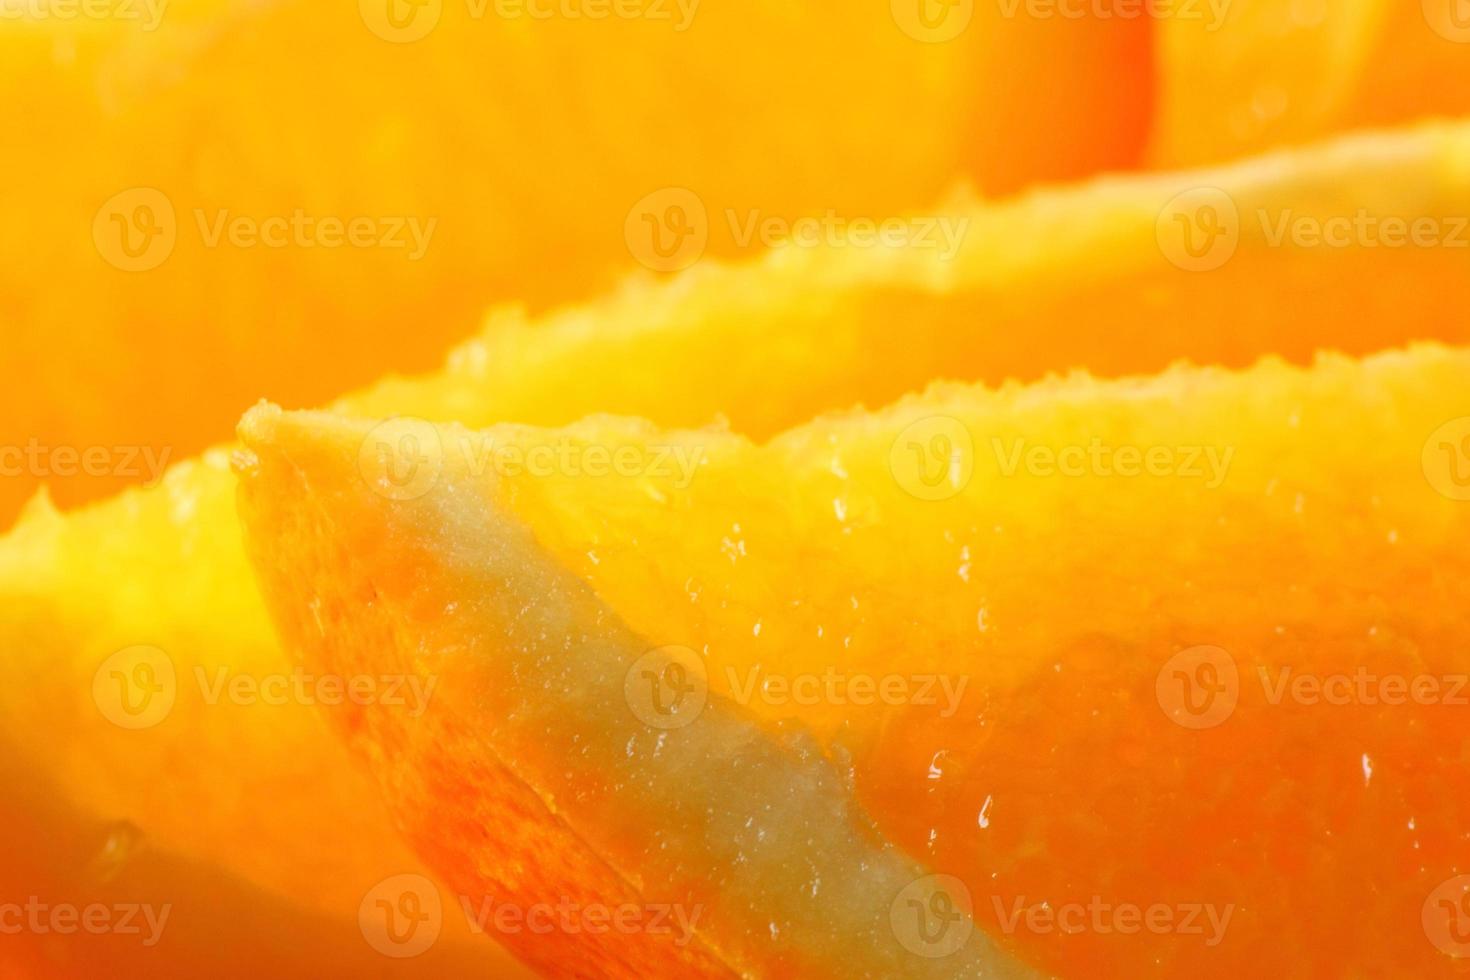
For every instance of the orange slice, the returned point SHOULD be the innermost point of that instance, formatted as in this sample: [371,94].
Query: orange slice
[85,897]
[1118,276]
[541,777]
[153,726]
[1240,77]
[988,592]
[238,277]
[1060,278]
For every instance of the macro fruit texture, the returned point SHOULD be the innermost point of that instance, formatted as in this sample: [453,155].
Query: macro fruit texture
[916,544]
[1253,75]
[729,246]
[158,734]
[219,200]
[1118,275]
[64,870]
[800,333]
[752,833]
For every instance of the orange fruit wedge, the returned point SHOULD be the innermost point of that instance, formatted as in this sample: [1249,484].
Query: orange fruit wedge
[1242,589]
[1239,77]
[1060,278]
[538,775]
[87,897]
[1120,276]
[302,118]
[201,787]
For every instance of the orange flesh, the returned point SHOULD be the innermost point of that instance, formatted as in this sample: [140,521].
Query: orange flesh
[1324,547]
[1031,281]
[541,135]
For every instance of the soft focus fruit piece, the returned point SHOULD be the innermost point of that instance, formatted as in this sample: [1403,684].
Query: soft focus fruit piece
[1082,277]
[533,774]
[766,108]
[1061,278]
[246,784]
[166,914]
[1301,519]
[1251,75]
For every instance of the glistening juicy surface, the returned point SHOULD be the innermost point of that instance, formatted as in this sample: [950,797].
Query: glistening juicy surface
[1304,523]
[542,135]
[797,334]
[534,777]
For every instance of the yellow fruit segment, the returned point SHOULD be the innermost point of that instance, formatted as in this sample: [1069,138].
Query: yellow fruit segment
[539,770]
[988,592]
[1057,279]
[87,897]
[1356,245]
[1246,76]
[495,158]
[147,693]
